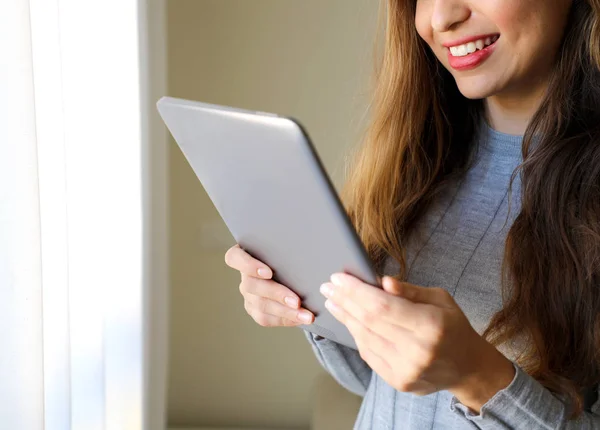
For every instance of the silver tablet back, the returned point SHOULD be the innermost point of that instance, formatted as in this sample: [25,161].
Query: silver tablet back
[265,179]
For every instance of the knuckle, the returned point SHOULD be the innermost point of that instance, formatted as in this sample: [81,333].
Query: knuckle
[437,330]
[408,382]
[249,285]
[282,292]
[432,320]
[262,320]
[363,315]
[292,315]
[286,322]
[432,326]
[403,386]
[416,375]
[427,358]
[262,306]
[271,290]
[368,318]
[283,322]
[442,292]
[437,335]
[381,307]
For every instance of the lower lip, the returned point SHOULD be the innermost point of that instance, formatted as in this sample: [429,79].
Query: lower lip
[471,61]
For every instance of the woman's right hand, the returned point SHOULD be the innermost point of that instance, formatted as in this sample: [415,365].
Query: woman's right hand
[269,303]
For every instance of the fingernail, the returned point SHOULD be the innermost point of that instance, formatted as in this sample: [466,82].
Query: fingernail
[331,306]
[264,273]
[336,279]
[305,316]
[292,302]
[326,289]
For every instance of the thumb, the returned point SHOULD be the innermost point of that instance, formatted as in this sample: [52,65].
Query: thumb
[391,285]
[415,293]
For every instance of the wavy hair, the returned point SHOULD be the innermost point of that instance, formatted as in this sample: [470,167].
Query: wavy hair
[420,135]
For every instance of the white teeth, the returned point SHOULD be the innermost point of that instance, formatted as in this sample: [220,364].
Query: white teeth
[469,48]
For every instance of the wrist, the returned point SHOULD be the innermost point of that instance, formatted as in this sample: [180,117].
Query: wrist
[492,372]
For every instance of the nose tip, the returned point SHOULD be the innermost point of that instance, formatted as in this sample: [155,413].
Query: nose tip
[447,15]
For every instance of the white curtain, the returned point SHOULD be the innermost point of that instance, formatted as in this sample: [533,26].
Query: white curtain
[82,215]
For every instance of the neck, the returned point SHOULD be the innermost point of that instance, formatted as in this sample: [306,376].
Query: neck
[511,113]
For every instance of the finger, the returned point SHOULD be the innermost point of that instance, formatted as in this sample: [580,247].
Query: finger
[423,388]
[338,312]
[428,295]
[371,347]
[380,366]
[374,306]
[383,341]
[278,310]
[265,320]
[240,260]
[270,290]
[386,339]
[390,286]
[375,362]
[281,314]
[425,295]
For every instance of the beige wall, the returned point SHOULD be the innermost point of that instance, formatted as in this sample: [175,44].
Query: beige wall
[309,59]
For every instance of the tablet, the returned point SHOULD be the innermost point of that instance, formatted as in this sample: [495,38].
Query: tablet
[267,182]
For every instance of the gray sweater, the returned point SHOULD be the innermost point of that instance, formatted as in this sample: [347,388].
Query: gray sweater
[458,245]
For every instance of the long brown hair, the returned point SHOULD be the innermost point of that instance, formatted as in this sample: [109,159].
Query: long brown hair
[420,135]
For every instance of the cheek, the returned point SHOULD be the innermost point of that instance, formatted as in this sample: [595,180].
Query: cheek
[528,29]
[423,24]
[516,19]
[504,13]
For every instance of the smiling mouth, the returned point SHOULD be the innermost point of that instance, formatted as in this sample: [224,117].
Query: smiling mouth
[472,47]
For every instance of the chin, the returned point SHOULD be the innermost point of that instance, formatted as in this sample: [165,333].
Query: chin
[475,90]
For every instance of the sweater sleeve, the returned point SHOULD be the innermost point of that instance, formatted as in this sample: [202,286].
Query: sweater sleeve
[526,404]
[344,364]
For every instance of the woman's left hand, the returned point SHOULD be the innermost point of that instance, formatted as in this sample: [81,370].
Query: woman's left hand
[417,338]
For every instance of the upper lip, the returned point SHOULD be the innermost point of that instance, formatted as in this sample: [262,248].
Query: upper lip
[468,39]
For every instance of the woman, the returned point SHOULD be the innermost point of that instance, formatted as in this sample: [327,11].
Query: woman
[477,195]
